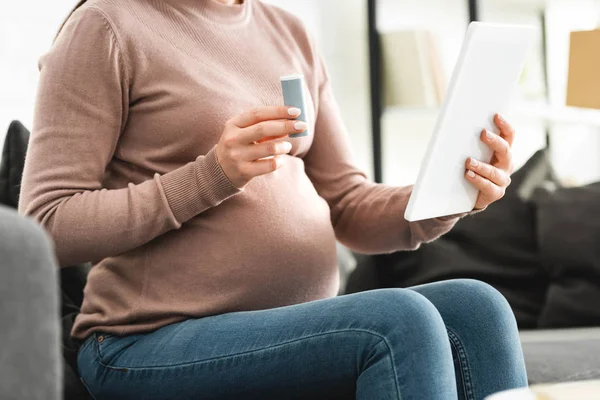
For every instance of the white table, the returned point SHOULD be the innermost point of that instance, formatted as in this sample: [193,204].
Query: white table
[589,390]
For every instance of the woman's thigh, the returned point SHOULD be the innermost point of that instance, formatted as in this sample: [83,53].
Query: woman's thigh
[380,344]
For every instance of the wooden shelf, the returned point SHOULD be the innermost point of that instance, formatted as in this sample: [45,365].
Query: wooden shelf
[539,111]
[536,4]
[558,114]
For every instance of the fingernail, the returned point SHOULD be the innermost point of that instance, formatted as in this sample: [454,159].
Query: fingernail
[471,174]
[287,146]
[501,118]
[474,162]
[294,112]
[300,126]
[489,134]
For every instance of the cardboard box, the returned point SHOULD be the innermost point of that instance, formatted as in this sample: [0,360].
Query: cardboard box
[583,88]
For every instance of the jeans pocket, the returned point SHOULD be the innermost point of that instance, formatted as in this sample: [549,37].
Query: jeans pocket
[110,347]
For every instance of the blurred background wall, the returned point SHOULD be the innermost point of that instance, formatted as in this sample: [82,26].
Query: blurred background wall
[340,28]
[27,29]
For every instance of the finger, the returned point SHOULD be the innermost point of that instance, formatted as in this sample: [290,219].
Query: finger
[266,139]
[491,173]
[267,149]
[260,114]
[501,148]
[272,129]
[262,167]
[506,129]
[489,192]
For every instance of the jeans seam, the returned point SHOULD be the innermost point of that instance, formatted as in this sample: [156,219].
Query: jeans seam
[383,339]
[467,379]
[87,388]
[393,364]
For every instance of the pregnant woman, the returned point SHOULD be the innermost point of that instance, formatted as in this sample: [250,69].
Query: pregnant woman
[215,270]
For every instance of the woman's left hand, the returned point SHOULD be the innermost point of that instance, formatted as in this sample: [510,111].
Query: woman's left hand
[492,179]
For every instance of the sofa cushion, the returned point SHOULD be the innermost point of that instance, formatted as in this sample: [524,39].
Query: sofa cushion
[561,355]
[569,239]
[29,332]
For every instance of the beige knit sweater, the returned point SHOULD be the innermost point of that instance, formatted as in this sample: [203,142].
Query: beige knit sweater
[122,171]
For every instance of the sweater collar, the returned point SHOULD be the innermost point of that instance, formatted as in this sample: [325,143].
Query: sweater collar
[217,12]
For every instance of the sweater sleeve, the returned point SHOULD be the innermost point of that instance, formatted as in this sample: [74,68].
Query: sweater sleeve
[81,109]
[367,217]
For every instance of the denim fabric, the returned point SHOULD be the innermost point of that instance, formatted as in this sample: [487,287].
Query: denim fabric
[447,340]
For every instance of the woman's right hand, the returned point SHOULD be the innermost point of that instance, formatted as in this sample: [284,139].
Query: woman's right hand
[241,152]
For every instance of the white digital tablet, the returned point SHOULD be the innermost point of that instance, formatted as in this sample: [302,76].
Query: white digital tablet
[487,72]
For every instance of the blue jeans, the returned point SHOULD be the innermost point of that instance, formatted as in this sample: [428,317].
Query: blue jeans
[446,340]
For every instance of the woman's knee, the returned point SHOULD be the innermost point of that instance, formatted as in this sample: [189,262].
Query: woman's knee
[481,300]
[398,311]
[481,292]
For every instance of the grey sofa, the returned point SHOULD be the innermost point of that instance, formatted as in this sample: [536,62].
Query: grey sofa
[562,355]
[30,357]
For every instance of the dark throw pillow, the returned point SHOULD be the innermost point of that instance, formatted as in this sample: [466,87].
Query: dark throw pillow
[11,165]
[497,246]
[569,239]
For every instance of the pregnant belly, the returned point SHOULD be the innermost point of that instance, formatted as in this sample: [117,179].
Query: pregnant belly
[269,246]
